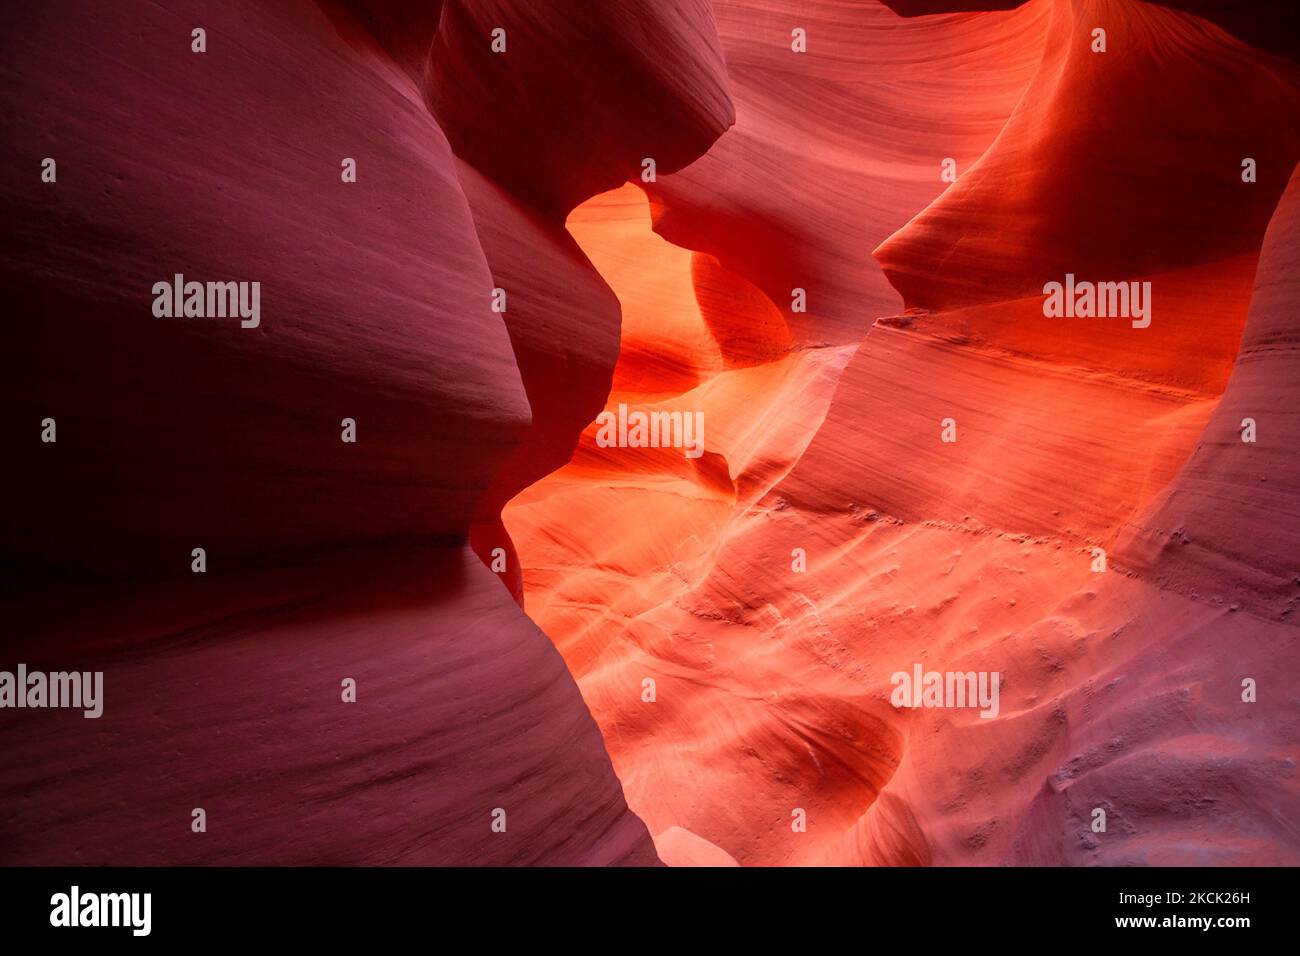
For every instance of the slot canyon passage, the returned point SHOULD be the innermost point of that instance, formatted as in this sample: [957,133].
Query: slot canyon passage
[836,262]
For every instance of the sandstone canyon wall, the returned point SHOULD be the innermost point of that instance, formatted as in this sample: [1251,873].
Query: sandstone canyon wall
[835,262]
[1122,691]
[325,560]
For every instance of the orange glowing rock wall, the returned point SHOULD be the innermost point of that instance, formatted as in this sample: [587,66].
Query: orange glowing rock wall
[1122,689]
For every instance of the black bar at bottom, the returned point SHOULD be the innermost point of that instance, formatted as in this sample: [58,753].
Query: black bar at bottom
[332,905]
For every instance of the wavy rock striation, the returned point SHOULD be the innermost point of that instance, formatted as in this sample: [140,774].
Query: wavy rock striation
[325,559]
[829,537]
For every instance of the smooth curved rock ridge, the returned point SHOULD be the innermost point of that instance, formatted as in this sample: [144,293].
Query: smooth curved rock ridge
[653,84]
[223,694]
[1228,527]
[1046,200]
[834,146]
[206,432]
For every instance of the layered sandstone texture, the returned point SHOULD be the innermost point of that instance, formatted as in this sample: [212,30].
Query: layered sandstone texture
[212,141]
[1098,529]
[825,227]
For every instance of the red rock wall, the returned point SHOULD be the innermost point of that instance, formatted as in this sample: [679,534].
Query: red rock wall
[325,560]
